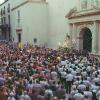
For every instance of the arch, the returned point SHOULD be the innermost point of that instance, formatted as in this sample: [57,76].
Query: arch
[85,42]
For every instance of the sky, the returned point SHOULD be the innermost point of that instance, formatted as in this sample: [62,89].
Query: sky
[1,1]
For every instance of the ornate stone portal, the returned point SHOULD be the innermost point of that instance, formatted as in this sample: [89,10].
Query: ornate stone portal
[88,18]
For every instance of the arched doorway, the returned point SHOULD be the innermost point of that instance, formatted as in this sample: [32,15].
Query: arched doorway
[86,39]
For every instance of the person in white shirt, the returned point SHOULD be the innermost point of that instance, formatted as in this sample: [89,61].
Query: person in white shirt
[78,96]
[74,91]
[96,80]
[84,74]
[86,82]
[82,87]
[60,69]
[69,82]
[74,72]
[88,94]
[63,63]
[63,77]
[78,70]
[25,96]
[54,75]
[11,96]
[94,87]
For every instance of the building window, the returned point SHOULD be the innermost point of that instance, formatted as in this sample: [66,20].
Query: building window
[18,14]
[8,8]
[1,12]
[4,11]
[9,19]
[84,4]
[1,20]
[18,17]
[4,20]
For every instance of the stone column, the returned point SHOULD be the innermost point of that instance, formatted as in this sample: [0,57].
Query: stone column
[95,38]
[71,29]
[74,31]
[99,38]
[76,43]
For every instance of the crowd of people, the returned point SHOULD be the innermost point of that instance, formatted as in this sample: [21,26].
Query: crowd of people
[40,73]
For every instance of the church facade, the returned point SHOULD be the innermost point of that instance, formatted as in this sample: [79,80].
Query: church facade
[84,26]
[43,22]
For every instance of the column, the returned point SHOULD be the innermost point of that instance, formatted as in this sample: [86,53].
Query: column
[74,31]
[71,29]
[95,38]
[99,39]
[74,36]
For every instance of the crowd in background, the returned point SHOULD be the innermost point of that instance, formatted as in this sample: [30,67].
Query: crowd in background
[39,73]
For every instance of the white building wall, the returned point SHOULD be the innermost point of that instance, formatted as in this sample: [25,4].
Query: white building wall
[54,25]
[34,22]
[58,25]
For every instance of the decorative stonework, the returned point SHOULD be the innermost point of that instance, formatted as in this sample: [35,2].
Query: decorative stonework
[89,19]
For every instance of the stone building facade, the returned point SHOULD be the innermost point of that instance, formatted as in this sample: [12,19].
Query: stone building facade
[84,26]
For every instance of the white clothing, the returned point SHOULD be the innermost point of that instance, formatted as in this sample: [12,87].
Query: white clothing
[54,75]
[82,87]
[78,96]
[25,97]
[69,77]
[63,74]
[89,94]
[11,98]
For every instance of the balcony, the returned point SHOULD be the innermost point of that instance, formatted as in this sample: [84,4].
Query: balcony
[5,26]
[8,9]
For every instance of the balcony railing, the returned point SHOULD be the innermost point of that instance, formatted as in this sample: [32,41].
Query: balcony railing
[5,26]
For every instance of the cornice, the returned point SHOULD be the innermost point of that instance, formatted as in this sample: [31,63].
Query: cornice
[34,1]
[28,1]
[4,2]
[21,4]
[85,14]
